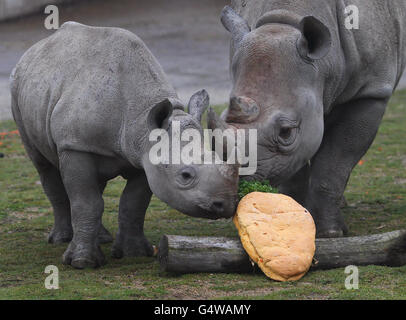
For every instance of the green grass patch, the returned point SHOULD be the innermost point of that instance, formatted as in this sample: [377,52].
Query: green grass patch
[376,197]
[245,187]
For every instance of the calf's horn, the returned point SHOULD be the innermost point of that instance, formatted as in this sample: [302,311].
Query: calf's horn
[214,121]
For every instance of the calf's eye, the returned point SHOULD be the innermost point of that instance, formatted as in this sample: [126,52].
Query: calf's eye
[285,133]
[186,176]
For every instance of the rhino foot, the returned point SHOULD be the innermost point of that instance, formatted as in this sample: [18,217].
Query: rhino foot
[83,256]
[131,246]
[331,232]
[104,236]
[58,236]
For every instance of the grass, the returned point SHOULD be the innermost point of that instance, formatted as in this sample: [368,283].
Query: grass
[376,195]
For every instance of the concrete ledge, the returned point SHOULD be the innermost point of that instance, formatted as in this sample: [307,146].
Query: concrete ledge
[16,8]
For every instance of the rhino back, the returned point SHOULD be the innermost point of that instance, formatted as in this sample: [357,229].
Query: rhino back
[85,88]
[362,62]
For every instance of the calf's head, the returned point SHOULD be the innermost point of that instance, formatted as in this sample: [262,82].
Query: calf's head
[277,88]
[179,170]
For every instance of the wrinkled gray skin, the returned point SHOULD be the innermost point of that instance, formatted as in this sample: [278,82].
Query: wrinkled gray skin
[85,100]
[315,91]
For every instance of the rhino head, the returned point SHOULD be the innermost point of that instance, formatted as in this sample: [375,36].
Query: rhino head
[277,76]
[200,188]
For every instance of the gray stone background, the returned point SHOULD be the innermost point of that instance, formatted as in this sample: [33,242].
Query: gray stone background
[185,35]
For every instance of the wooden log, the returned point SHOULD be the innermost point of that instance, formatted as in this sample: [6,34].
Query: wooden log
[181,254]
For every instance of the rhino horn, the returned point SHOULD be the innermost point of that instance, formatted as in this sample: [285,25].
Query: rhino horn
[215,122]
[235,24]
[242,110]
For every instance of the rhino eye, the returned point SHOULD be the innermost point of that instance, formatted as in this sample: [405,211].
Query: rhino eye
[186,177]
[287,136]
[285,133]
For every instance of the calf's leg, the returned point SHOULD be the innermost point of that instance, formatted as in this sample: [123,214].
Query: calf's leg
[52,184]
[130,238]
[81,180]
[104,235]
[55,190]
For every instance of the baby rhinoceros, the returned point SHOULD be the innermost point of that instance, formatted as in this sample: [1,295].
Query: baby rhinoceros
[85,101]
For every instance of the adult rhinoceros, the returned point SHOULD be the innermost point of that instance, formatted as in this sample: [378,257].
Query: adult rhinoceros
[315,90]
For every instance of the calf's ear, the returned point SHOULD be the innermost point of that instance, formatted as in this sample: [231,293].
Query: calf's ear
[158,117]
[198,104]
[315,42]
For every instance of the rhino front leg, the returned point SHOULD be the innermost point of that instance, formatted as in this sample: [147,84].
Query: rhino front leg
[296,187]
[349,133]
[81,180]
[130,238]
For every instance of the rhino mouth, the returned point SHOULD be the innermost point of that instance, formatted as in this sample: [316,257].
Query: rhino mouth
[206,214]
[216,211]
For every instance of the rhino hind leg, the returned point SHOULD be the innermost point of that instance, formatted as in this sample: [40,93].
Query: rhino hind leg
[351,132]
[62,231]
[130,239]
[52,184]
[54,189]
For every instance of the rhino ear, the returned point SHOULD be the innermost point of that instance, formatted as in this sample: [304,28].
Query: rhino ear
[198,104]
[158,117]
[316,40]
[235,24]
